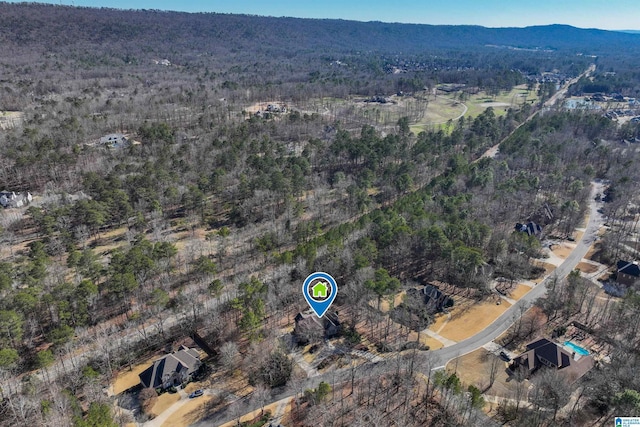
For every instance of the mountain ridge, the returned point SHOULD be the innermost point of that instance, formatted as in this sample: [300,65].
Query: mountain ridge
[59,26]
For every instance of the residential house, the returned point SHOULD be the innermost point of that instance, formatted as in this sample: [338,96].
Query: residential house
[546,353]
[531,228]
[275,108]
[628,272]
[309,326]
[11,199]
[433,297]
[114,140]
[172,369]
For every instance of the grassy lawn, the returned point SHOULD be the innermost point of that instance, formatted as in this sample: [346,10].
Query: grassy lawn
[474,368]
[519,292]
[563,250]
[425,339]
[439,111]
[467,321]
[189,413]
[481,101]
[446,107]
[129,378]
[164,401]
[439,321]
[587,268]
[250,416]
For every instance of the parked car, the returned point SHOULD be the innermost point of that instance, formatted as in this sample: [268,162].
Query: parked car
[196,393]
[505,356]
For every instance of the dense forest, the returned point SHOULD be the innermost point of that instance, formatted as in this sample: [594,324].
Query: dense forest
[210,216]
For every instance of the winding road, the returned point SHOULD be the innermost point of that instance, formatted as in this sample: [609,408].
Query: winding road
[438,359]
[502,323]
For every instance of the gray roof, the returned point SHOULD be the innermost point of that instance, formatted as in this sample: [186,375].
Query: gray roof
[162,369]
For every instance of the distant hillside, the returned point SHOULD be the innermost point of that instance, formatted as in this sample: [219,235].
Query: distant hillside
[58,28]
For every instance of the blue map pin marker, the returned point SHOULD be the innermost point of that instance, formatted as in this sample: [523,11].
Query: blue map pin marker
[319,289]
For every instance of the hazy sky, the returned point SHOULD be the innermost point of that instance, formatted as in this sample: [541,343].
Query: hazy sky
[605,14]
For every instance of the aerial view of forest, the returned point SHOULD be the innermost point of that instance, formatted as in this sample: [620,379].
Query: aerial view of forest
[168,180]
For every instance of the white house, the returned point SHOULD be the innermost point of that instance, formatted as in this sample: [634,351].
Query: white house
[114,140]
[11,199]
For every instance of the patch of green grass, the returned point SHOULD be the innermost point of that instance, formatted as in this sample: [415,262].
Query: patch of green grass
[439,111]
[416,129]
[514,98]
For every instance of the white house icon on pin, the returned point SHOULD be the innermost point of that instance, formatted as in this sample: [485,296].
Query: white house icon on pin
[319,290]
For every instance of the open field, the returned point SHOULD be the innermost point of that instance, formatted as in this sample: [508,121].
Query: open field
[446,107]
[501,103]
[468,320]
[439,111]
[474,368]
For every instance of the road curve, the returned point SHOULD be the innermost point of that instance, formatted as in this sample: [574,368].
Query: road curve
[502,323]
[439,358]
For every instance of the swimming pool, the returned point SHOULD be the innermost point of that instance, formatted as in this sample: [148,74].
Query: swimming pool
[577,348]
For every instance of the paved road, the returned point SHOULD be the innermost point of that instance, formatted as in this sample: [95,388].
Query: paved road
[491,332]
[436,359]
[563,90]
[491,152]
[455,119]
[502,323]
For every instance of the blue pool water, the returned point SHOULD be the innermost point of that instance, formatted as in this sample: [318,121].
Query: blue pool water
[577,348]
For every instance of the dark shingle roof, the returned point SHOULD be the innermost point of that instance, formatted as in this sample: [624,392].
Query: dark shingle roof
[156,374]
[551,352]
[630,268]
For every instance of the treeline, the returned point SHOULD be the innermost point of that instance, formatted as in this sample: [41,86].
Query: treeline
[217,33]
[258,201]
